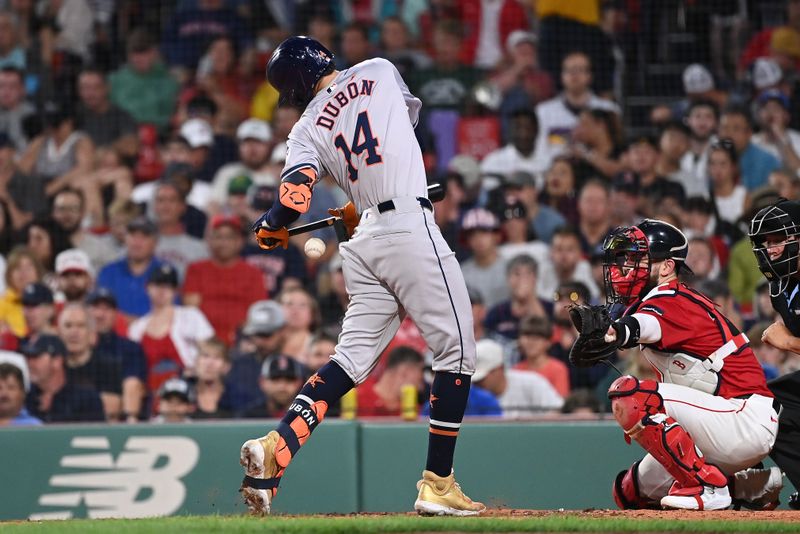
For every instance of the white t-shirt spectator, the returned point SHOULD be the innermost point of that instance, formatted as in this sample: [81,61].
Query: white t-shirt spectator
[181,250]
[189,327]
[528,394]
[508,160]
[730,208]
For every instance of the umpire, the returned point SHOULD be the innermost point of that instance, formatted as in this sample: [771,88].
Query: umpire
[775,235]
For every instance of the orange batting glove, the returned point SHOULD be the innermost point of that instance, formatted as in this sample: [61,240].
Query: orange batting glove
[270,239]
[348,215]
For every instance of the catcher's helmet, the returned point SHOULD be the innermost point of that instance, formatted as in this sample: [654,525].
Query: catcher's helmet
[777,222]
[295,68]
[628,253]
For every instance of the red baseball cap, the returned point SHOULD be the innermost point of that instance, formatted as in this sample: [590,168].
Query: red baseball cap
[223,219]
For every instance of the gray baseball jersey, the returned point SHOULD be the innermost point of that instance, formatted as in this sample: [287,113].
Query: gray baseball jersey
[361,131]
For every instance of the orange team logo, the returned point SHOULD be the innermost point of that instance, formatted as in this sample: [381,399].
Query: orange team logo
[314,380]
[433,399]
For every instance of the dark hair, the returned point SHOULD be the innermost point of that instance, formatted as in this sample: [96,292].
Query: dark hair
[523,260]
[526,113]
[357,27]
[725,145]
[702,103]
[701,204]
[402,355]
[534,325]
[740,111]
[59,237]
[576,52]
[610,120]
[674,126]
[581,398]
[200,104]
[567,231]
[450,27]
[9,369]
[14,70]
[93,69]
[140,40]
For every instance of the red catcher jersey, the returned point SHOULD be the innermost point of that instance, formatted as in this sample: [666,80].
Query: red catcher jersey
[692,325]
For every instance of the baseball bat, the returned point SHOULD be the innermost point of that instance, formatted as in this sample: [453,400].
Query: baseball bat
[436,192]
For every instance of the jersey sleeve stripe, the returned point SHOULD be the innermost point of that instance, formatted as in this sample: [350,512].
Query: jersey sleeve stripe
[298,167]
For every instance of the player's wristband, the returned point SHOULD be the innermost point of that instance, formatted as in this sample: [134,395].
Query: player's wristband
[628,331]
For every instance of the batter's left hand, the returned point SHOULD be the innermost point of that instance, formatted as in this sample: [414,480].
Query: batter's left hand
[778,336]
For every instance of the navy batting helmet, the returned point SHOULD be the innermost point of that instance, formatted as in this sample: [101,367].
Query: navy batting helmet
[295,68]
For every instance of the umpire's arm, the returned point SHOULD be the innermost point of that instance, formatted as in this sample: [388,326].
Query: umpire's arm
[781,338]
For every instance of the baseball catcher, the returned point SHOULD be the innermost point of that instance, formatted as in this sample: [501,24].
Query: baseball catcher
[710,414]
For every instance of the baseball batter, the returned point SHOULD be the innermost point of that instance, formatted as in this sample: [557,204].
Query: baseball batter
[710,414]
[358,126]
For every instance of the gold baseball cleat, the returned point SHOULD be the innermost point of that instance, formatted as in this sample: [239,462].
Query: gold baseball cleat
[260,467]
[443,496]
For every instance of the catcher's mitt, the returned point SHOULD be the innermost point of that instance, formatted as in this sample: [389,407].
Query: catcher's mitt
[591,347]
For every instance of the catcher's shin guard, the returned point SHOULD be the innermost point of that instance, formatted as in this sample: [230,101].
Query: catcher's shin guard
[639,409]
[626,491]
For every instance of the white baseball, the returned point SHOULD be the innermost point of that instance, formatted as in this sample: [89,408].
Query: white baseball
[315,247]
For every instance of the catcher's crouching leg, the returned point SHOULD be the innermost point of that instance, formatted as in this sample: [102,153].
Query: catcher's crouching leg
[639,409]
[626,491]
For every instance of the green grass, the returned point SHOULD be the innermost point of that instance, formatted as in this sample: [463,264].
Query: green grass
[569,522]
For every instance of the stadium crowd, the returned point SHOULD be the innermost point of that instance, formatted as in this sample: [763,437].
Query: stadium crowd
[139,140]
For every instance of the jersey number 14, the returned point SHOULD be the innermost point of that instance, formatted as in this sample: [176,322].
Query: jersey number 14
[362,140]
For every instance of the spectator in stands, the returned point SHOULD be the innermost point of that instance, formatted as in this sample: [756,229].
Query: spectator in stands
[594,215]
[75,274]
[568,265]
[54,398]
[673,145]
[174,402]
[189,30]
[22,268]
[485,270]
[12,53]
[396,46]
[220,79]
[281,267]
[128,354]
[521,394]
[519,78]
[199,136]
[702,260]
[559,189]
[581,402]
[543,220]
[281,379]
[384,397]
[87,366]
[12,395]
[320,352]
[786,184]
[302,315]
[503,319]
[22,195]
[169,333]
[595,147]
[126,278]
[559,115]
[355,46]
[535,333]
[775,136]
[698,84]
[111,180]
[518,154]
[255,142]
[224,286]
[263,332]
[106,124]
[223,149]
[69,212]
[174,244]
[624,204]
[754,163]
[518,238]
[62,155]
[702,118]
[14,109]
[213,363]
[46,239]
[39,310]
[143,87]
[760,43]
[182,176]
[729,194]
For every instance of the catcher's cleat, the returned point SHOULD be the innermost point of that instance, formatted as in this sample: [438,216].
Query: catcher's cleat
[697,498]
[443,496]
[262,473]
[794,501]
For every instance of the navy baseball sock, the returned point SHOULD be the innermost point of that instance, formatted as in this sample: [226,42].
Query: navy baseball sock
[449,393]
[308,409]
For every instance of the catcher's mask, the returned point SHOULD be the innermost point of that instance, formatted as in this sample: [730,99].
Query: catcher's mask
[776,243]
[626,264]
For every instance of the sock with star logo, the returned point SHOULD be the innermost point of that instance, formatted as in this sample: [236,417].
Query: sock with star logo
[449,393]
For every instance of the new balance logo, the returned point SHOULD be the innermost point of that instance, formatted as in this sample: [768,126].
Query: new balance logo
[144,480]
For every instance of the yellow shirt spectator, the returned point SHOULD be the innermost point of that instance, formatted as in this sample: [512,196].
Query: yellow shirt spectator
[585,11]
[11,313]
[22,269]
[264,102]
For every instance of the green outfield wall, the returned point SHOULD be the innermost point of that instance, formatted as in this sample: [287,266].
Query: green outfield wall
[144,470]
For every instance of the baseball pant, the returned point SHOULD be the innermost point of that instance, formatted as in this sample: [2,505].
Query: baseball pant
[397,262]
